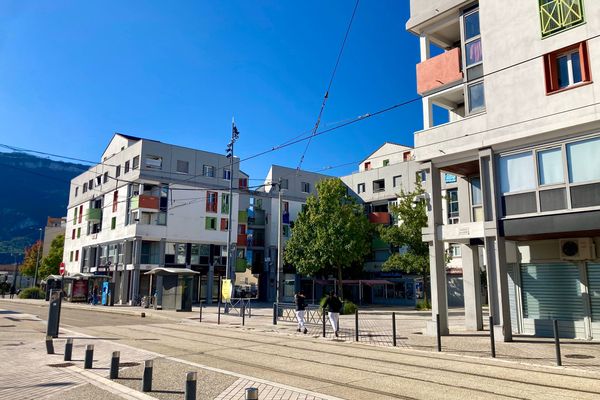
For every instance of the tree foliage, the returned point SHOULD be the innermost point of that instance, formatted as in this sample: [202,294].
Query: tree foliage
[51,263]
[31,258]
[331,234]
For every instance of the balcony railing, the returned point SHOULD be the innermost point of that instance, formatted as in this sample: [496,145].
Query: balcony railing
[145,202]
[379,218]
[556,15]
[93,214]
[440,71]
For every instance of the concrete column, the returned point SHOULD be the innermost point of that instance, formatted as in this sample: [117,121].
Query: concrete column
[427,113]
[135,273]
[472,287]
[439,296]
[497,273]
[209,283]
[425,47]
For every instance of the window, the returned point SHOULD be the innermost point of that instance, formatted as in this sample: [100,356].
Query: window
[183,167]
[80,213]
[209,171]
[118,171]
[210,224]
[241,229]
[153,162]
[99,180]
[473,61]
[567,67]
[74,215]
[126,167]
[105,177]
[286,230]
[379,185]
[181,253]
[517,173]
[284,183]
[452,198]
[135,164]
[584,160]
[115,201]
[90,184]
[195,254]
[454,250]
[71,256]
[361,188]
[224,203]
[73,234]
[211,201]
[78,232]
[550,167]
[476,199]
[449,178]
[476,97]
[386,163]
[243,183]
[397,181]
[76,191]
[76,255]
[367,165]
[224,224]
[286,206]
[305,187]
[226,174]
[113,223]
[559,15]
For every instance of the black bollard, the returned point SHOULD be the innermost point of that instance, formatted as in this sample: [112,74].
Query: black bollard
[394,329]
[219,314]
[557,343]
[68,350]
[147,377]
[200,312]
[243,315]
[114,365]
[251,394]
[438,330]
[274,313]
[356,324]
[190,385]
[492,340]
[324,327]
[49,345]
[89,357]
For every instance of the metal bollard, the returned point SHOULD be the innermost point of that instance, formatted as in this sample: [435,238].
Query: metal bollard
[49,345]
[114,364]
[275,313]
[394,329]
[492,340]
[68,350]
[557,343]
[243,315]
[251,394]
[356,325]
[438,330]
[190,385]
[324,327]
[147,377]
[219,314]
[200,313]
[89,357]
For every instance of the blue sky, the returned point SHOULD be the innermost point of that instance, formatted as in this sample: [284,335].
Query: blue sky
[74,72]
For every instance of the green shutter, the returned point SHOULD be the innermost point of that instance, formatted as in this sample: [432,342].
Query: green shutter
[558,15]
[224,203]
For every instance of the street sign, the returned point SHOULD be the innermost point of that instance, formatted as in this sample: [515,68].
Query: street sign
[61,269]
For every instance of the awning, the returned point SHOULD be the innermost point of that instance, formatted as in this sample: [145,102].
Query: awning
[86,275]
[368,282]
[171,271]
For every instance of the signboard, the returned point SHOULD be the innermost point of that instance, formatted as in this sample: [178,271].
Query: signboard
[61,269]
[226,289]
[80,290]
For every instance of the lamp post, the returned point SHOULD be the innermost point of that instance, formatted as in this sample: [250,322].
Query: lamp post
[279,244]
[37,261]
[235,134]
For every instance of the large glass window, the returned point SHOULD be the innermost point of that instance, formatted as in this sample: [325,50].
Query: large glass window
[476,200]
[476,97]
[472,25]
[584,160]
[517,173]
[550,167]
[452,196]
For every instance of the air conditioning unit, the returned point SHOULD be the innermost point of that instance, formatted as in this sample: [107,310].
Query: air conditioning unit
[577,249]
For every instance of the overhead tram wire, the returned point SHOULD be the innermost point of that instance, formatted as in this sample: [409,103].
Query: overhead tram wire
[326,96]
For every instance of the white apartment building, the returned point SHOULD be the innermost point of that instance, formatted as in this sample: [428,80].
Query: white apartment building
[151,204]
[523,133]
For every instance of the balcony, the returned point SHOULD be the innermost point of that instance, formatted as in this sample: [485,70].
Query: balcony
[439,72]
[379,218]
[93,214]
[145,203]
[242,240]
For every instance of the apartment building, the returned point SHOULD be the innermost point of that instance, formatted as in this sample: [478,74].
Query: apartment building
[523,132]
[377,184]
[151,204]
[54,227]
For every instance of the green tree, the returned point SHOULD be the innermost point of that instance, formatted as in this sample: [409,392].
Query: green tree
[31,256]
[51,263]
[331,234]
[413,257]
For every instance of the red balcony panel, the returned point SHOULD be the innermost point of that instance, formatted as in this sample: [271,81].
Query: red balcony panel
[439,71]
[242,240]
[149,202]
[379,218]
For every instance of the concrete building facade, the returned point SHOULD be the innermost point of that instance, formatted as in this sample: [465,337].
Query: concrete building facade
[523,133]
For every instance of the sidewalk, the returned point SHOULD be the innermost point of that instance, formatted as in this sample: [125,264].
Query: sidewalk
[375,328]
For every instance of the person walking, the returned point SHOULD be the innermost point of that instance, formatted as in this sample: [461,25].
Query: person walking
[300,301]
[334,306]
[13,290]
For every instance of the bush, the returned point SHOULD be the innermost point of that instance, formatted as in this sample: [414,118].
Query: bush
[32,293]
[322,301]
[423,305]
[349,308]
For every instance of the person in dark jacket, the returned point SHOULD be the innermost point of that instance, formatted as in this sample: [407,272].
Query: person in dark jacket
[13,290]
[333,305]
[300,301]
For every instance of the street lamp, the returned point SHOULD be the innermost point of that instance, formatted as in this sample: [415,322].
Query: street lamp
[37,262]
[235,134]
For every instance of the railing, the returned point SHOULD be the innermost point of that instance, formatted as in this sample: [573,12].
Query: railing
[439,71]
[287,312]
[145,202]
[556,15]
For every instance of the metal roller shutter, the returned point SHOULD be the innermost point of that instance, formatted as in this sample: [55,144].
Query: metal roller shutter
[552,291]
[593,271]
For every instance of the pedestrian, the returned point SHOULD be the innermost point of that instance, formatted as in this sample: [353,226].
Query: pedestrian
[95,295]
[334,306]
[300,301]
[13,290]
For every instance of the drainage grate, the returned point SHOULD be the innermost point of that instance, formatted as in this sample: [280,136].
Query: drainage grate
[129,364]
[579,356]
[61,365]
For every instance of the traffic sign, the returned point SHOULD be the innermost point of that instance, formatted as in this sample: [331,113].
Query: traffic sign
[61,269]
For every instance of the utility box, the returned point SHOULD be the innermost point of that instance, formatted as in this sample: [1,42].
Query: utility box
[54,313]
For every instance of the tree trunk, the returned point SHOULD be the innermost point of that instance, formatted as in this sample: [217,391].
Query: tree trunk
[340,285]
